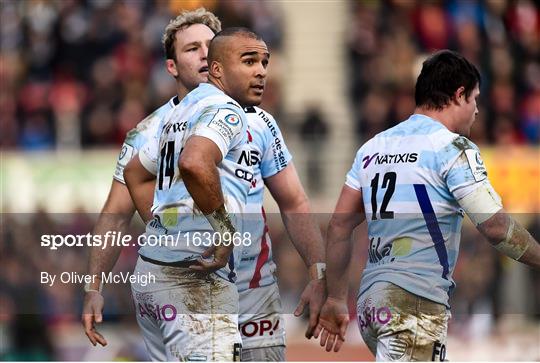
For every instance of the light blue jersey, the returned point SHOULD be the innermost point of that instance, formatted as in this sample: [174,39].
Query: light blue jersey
[137,137]
[210,113]
[411,177]
[267,154]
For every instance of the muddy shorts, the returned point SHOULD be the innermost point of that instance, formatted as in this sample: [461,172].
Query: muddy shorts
[261,323]
[399,326]
[266,354]
[186,315]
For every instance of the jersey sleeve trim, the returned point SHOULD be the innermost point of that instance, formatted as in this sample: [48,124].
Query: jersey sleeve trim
[148,163]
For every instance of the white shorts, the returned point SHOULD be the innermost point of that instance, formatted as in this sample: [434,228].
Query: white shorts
[266,354]
[261,323]
[187,315]
[399,326]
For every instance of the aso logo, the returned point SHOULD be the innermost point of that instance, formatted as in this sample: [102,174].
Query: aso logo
[232,120]
[166,312]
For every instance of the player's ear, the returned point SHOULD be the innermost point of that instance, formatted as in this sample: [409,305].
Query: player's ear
[459,96]
[216,69]
[171,67]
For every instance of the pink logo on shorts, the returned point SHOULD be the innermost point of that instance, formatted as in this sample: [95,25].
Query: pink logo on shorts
[372,315]
[260,328]
[166,312]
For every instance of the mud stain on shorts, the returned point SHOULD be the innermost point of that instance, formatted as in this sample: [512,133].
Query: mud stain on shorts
[194,292]
[416,325]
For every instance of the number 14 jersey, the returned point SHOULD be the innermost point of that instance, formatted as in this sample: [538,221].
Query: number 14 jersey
[210,113]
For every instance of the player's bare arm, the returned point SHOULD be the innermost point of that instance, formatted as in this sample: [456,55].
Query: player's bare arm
[485,209]
[141,184]
[115,216]
[198,168]
[334,318]
[305,234]
[511,239]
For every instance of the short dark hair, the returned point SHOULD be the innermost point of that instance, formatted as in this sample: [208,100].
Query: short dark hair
[442,74]
[238,30]
[228,32]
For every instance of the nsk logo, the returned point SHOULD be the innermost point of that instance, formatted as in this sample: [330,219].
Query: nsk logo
[389,159]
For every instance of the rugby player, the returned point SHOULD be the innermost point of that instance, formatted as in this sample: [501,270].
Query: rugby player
[197,193]
[261,324]
[262,327]
[186,42]
[413,183]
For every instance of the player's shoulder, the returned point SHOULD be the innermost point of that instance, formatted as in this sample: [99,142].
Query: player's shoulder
[148,126]
[452,144]
[461,142]
[208,96]
[261,120]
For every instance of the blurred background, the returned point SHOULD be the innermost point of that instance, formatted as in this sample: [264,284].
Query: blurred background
[77,75]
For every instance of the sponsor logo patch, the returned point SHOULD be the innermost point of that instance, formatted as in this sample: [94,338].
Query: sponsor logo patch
[125,154]
[476,164]
[390,159]
[259,328]
[226,124]
[232,119]
[367,160]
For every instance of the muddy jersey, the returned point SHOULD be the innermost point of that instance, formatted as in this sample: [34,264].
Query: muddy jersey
[140,135]
[411,177]
[209,113]
[267,154]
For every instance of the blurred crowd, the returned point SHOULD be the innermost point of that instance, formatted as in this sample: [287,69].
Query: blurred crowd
[81,73]
[388,40]
[31,310]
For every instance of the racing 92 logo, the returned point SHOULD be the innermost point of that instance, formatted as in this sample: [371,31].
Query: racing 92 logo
[232,119]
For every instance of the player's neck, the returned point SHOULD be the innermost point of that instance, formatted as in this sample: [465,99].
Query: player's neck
[443,116]
[182,91]
[217,83]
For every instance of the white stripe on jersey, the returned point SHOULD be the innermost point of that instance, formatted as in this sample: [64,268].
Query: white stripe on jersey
[410,177]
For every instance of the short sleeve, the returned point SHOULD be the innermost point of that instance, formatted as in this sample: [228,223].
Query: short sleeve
[463,169]
[353,176]
[148,155]
[127,152]
[276,155]
[224,126]
[136,138]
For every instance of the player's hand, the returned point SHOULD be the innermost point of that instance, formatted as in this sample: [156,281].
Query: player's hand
[221,255]
[314,295]
[333,322]
[92,314]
